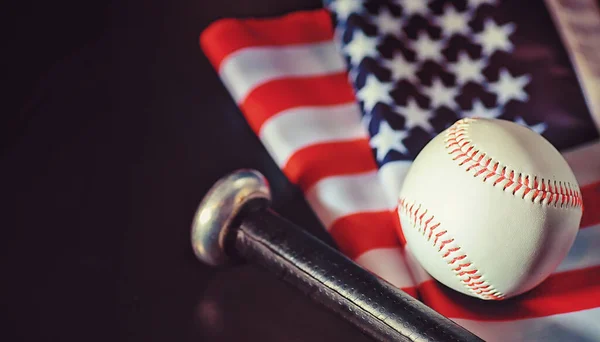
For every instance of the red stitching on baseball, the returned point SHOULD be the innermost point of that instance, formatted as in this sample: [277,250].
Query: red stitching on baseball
[457,259]
[476,283]
[444,243]
[472,278]
[561,194]
[461,266]
[448,248]
[437,236]
[467,272]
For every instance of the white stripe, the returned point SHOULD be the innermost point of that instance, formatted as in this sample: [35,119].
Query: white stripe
[290,130]
[339,196]
[584,252]
[585,163]
[572,326]
[389,264]
[245,69]
[392,176]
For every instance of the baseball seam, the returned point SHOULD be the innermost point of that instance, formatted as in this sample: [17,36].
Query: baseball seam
[534,188]
[451,252]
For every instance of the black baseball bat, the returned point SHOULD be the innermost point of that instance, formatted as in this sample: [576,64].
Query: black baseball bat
[234,223]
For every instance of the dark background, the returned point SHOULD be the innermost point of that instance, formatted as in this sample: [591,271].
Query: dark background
[114,126]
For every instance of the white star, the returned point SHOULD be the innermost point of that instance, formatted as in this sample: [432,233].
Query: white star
[494,37]
[388,24]
[479,110]
[373,92]
[508,87]
[476,3]
[453,22]
[538,128]
[415,116]
[361,46]
[467,69]
[400,68]
[388,139]
[441,95]
[427,48]
[344,8]
[411,7]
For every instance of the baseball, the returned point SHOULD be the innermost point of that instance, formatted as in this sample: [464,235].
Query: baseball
[489,208]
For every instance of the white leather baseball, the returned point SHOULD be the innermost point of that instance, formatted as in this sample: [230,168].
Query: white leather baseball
[489,208]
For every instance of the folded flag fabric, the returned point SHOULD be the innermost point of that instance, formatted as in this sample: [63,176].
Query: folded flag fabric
[343,98]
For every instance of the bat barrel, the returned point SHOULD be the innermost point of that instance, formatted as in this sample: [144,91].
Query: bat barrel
[234,222]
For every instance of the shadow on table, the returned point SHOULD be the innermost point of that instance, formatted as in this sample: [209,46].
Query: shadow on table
[246,303]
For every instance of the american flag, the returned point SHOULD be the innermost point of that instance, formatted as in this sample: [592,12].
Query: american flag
[343,98]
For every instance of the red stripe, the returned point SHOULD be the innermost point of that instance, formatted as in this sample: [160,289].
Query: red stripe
[313,163]
[412,291]
[358,233]
[225,36]
[269,99]
[591,205]
[560,293]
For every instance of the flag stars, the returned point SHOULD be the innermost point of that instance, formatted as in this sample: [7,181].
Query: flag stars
[427,48]
[440,95]
[510,88]
[361,46]
[388,139]
[476,3]
[399,47]
[494,37]
[374,92]
[344,8]
[467,69]
[387,24]
[453,22]
[473,4]
[479,110]
[412,7]
[401,69]
[538,128]
[415,116]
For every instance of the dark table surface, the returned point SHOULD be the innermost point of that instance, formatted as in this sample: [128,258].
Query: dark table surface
[115,127]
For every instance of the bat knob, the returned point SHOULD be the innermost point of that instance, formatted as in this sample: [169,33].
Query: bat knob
[219,209]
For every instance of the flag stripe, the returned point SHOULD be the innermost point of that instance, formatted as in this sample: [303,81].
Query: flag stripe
[573,326]
[586,169]
[248,68]
[392,174]
[386,261]
[309,165]
[225,36]
[288,132]
[584,252]
[273,97]
[376,230]
[561,292]
[336,197]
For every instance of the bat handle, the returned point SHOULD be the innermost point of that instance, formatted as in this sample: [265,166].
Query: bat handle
[234,223]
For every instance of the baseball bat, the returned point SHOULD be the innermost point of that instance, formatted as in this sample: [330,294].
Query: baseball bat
[234,223]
